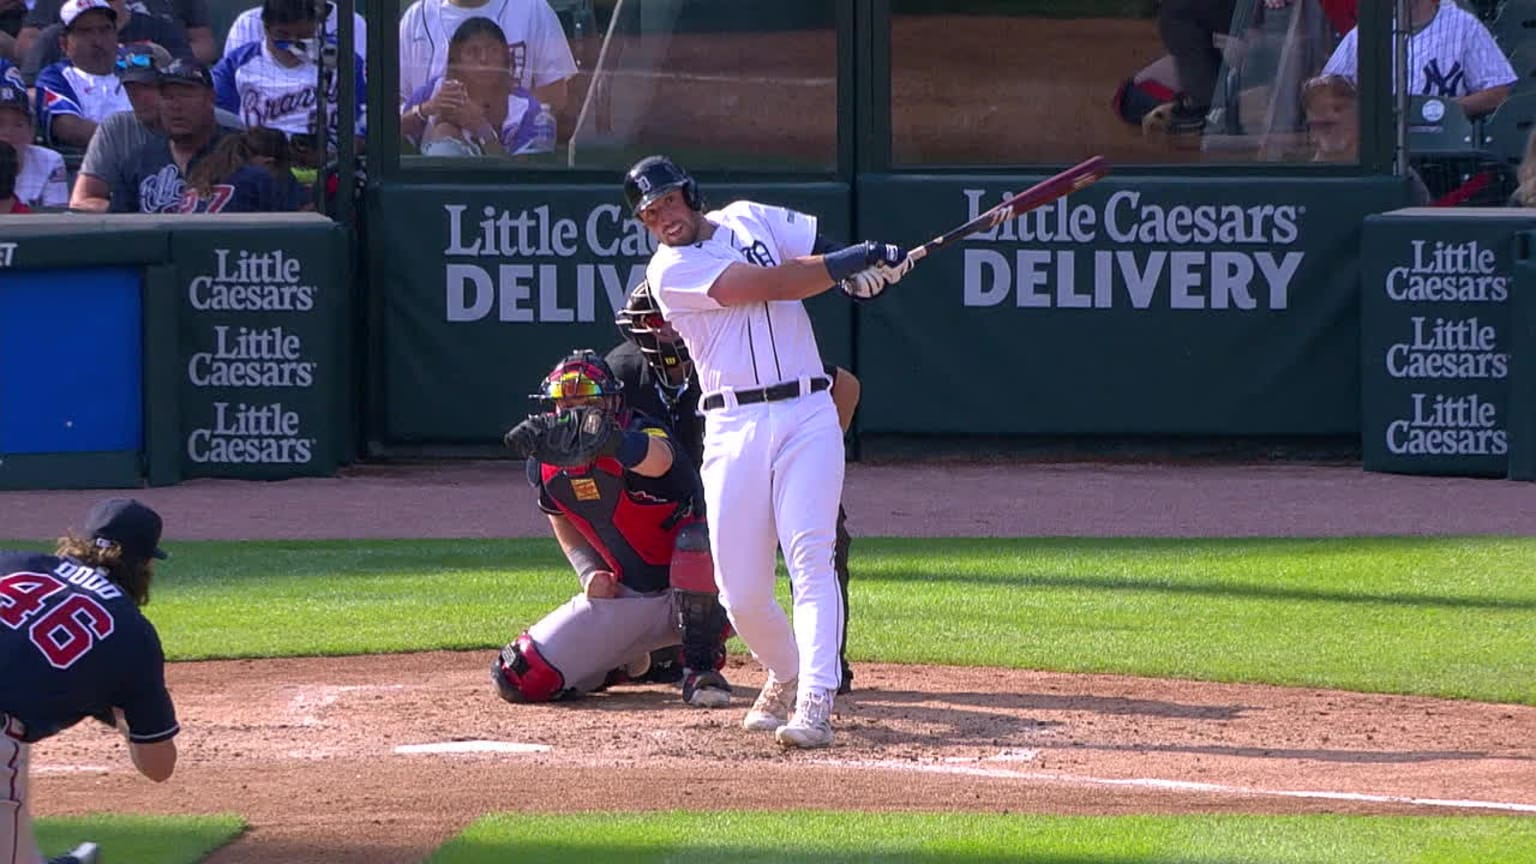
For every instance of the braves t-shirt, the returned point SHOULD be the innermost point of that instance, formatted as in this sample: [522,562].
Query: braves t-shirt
[155,184]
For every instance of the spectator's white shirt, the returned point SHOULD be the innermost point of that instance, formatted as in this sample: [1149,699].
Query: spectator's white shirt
[535,41]
[41,181]
[1453,55]
[247,29]
[264,92]
[64,89]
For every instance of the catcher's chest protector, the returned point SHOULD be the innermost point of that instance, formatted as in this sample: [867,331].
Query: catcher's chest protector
[633,529]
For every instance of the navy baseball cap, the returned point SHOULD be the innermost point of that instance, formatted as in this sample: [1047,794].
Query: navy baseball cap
[186,72]
[141,62]
[130,524]
[12,96]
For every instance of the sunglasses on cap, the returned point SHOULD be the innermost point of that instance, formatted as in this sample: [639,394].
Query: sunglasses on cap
[135,61]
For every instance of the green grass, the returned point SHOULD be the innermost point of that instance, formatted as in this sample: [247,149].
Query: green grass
[137,838]
[979,838]
[1452,617]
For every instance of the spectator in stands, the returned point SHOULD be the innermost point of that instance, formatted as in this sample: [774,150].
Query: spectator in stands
[1332,106]
[76,94]
[240,169]
[273,83]
[1188,29]
[40,171]
[12,13]
[10,73]
[132,27]
[188,17]
[1525,192]
[247,29]
[9,203]
[472,109]
[113,151]
[154,181]
[1333,118]
[1450,54]
[537,53]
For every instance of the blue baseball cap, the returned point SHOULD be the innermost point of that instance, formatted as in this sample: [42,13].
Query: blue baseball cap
[129,523]
[12,96]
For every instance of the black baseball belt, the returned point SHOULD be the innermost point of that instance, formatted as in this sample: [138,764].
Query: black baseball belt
[776,393]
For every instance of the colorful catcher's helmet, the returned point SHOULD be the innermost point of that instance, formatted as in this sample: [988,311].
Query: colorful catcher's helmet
[642,323]
[583,374]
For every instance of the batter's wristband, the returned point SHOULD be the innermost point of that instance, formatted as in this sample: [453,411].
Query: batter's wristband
[632,448]
[586,561]
[846,262]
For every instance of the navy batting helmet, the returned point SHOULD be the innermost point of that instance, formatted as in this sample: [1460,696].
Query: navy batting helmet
[655,176]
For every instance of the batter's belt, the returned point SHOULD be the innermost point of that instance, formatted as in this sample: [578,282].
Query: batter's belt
[776,393]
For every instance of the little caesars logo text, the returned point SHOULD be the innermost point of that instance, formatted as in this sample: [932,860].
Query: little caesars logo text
[251,357]
[1155,269]
[507,266]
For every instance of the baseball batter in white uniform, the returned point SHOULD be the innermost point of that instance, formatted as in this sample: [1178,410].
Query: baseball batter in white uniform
[731,282]
[1450,54]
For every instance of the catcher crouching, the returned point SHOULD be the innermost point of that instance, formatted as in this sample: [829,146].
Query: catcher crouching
[621,500]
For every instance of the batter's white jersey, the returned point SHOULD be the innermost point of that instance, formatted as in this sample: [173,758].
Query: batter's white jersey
[1453,55]
[752,345]
[536,45]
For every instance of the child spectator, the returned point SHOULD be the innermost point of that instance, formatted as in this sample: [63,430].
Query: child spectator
[40,177]
[538,55]
[247,29]
[76,94]
[273,83]
[472,109]
[249,169]
[8,167]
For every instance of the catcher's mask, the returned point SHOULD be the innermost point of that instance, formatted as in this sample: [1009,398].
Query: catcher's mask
[655,176]
[642,323]
[582,378]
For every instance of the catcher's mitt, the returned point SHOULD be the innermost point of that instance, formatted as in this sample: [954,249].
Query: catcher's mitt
[578,436]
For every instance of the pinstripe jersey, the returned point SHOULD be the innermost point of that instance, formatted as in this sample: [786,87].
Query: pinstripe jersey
[1453,55]
[755,344]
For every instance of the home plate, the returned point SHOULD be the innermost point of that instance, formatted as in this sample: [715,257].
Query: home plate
[472,747]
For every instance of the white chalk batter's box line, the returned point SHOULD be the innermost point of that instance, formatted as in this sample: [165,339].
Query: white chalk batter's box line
[974,770]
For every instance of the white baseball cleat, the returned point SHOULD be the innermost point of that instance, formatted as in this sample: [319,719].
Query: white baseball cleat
[773,706]
[811,726]
[85,853]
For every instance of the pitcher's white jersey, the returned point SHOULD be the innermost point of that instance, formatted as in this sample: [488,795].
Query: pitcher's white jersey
[1453,55]
[748,346]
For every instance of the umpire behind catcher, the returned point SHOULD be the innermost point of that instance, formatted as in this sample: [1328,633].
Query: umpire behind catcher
[659,380]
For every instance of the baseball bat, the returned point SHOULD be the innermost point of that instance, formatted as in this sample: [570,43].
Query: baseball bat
[1038,195]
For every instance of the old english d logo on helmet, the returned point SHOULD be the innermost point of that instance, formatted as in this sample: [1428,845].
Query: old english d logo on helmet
[655,176]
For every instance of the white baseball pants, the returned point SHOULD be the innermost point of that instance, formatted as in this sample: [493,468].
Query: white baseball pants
[773,477]
[16,843]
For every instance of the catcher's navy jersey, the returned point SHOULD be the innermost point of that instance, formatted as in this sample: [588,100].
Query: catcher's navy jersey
[630,520]
[73,644]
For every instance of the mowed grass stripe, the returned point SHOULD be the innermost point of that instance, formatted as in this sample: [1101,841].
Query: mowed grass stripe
[985,838]
[1451,617]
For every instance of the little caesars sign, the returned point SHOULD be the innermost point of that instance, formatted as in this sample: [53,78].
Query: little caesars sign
[254,360]
[1449,354]
[487,275]
[1180,256]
